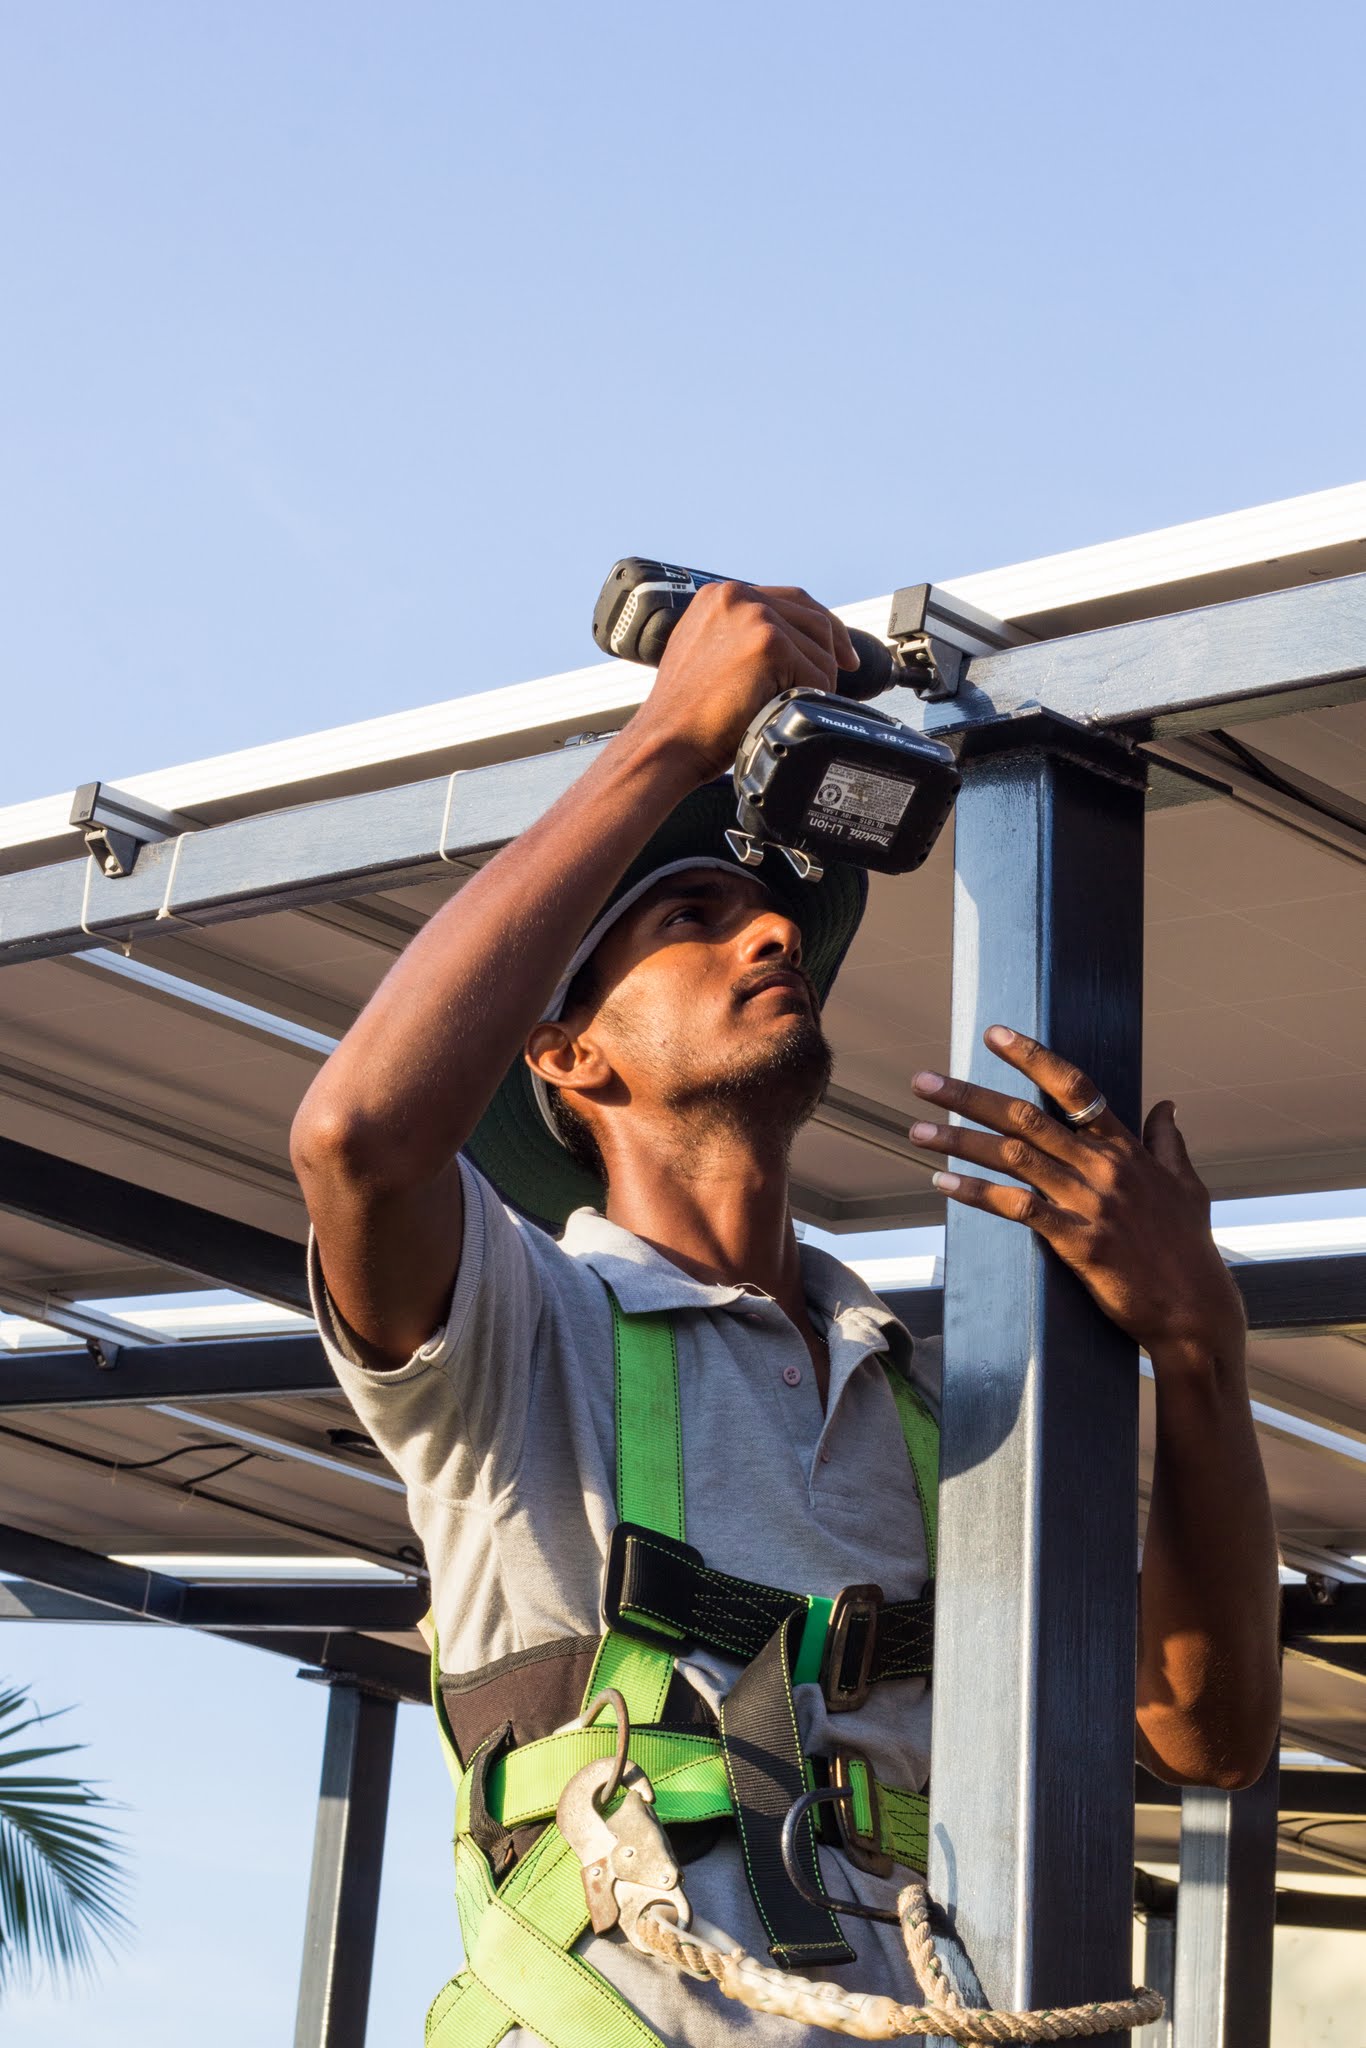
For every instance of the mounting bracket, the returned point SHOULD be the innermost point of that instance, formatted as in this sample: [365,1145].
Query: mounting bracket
[115,824]
[933,634]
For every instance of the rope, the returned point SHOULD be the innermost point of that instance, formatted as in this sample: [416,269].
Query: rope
[704,1951]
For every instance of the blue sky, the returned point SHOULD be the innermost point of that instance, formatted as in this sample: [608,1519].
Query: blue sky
[346,346]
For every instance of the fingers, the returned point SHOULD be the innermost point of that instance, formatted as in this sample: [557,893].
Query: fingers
[813,618]
[1013,1155]
[1162,1136]
[1068,1086]
[1004,1113]
[1016,1205]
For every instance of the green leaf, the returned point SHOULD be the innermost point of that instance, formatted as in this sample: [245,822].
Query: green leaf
[63,1869]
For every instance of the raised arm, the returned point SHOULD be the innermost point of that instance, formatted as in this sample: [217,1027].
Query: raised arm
[375,1139]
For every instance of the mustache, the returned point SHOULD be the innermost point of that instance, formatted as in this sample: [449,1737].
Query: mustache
[755,978]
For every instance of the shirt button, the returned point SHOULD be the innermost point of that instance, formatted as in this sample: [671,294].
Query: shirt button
[792,1375]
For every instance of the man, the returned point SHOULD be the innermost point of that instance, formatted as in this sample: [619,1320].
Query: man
[614,1001]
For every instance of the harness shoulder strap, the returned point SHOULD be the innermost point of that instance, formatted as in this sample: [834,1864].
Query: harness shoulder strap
[649,1423]
[921,1433]
[649,1491]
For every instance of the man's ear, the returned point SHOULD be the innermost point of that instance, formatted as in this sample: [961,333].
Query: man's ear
[564,1060]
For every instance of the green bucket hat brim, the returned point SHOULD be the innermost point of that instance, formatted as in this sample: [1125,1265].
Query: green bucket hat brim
[512,1145]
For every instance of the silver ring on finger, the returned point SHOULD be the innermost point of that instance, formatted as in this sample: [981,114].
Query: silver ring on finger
[1080,1118]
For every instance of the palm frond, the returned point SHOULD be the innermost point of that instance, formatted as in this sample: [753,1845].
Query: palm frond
[63,1873]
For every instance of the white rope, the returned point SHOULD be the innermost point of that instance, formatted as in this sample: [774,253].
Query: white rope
[704,1951]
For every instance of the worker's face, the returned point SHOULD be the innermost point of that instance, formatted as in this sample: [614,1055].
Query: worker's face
[701,998]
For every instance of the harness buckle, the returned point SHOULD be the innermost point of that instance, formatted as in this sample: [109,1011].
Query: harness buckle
[862,1845]
[850,1644]
[616,1608]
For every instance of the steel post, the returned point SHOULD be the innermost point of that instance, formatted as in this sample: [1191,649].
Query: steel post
[1226,1915]
[1159,1972]
[1031,1836]
[348,1851]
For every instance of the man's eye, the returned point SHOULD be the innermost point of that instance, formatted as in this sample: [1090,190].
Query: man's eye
[686,910]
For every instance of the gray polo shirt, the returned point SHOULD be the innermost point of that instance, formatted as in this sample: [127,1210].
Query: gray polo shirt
[502,1427]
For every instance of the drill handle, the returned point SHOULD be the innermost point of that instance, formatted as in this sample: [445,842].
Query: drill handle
[643,600]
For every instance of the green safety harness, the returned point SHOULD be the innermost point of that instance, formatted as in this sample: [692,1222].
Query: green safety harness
[519,1885]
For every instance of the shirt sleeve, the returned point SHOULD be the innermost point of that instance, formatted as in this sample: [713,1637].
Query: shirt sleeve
[452,1420]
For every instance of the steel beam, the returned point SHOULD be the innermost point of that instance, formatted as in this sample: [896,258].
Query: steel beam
[348,1853]
[1325,1624]
[130,1590]
[223,1369]
[1338,1910]
[1031,1823]
[1328,1795]
[1285,1297]
[1304,1297]
[1309,1297]
[1290,650]
[102,1336]
[1226,1916]
[1332,1614]
[1277,792]
[137,1220]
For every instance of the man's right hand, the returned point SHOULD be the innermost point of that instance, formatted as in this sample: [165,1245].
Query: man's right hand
[737,646]
[376,1137]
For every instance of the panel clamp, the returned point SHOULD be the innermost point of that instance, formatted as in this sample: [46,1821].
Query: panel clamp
[934,634]
[115,824]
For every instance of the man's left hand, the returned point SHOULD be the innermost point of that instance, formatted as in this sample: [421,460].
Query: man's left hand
[1130,1216]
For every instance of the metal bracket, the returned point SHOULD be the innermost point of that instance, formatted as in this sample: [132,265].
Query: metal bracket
[115,824]
[103,1352]
[1031,729]
[935,634]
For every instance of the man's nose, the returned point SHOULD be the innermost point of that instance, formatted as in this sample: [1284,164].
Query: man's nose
[771,936]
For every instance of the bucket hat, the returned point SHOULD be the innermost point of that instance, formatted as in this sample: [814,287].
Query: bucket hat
[514,1145]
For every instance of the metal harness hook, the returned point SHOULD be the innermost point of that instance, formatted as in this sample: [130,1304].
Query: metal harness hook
[629,1867]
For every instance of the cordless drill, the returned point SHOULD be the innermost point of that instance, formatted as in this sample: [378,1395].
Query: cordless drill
[818,775]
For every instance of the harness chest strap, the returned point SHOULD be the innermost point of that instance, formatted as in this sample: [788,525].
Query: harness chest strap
[525,1928]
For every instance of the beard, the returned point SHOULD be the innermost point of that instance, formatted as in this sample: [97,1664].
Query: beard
[775,1086]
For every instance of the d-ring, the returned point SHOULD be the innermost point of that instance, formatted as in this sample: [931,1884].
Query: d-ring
[1080,1118]
[796,1814]
[609,1697]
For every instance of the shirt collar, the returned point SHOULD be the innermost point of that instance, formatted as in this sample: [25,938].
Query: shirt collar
[644,1281]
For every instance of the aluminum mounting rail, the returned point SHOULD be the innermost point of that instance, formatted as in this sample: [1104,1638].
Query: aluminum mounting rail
[1289,650]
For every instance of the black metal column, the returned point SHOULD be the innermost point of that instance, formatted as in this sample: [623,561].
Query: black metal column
[1031,1836]
[348,1853]
[1226,1915]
